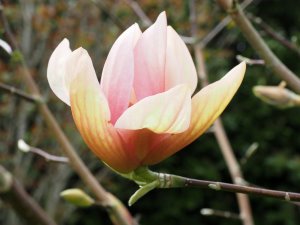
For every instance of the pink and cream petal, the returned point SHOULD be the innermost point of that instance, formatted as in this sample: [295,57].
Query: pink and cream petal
[91,113]
[118,72]
[180,68]
[56,71]
[207,105]
[167,112]
[150,56]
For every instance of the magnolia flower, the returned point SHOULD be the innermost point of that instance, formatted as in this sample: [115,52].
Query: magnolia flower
[142,111]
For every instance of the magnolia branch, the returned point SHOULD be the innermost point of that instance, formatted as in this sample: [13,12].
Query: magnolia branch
[220,213]
[221,186]
[12,192]
[149,180]
[19,93]
[48,157]
[258,44]
[219,131]
[272,33]
[219,27]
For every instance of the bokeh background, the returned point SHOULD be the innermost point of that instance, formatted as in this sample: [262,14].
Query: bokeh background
[39,25]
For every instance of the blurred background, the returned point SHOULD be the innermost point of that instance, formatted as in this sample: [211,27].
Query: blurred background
[39,25]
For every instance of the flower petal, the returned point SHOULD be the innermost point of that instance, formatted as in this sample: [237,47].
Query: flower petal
[167,112]
[180,68]
[56,71]
[150,55]
[207,105]
[91,112]
[118,72]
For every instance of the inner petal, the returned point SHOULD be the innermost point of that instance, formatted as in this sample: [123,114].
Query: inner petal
[167,112]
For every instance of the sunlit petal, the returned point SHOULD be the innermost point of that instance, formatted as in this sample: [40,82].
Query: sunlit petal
[167,112]
[56,71]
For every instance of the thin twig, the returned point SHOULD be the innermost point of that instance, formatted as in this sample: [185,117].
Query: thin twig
[21,201]
[249,61]
[23,146]
[139,12]
[19,93]
[219,131]
[258,44]
[221,186]
[220,213]
[220,26]
[105,10]
[147,21]
[272,33]
[118,213]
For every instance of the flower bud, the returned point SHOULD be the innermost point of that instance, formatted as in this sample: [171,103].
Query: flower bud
[277,96]
[77,197]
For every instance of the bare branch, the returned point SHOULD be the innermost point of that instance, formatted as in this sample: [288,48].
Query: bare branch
[220,213]
[250,62]
[139,12]
[23,146]
[272,33]
[19,93]
[220,26]
[219,131]
[21,201]
[258,44]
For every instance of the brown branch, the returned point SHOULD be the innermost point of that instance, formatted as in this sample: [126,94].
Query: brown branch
[249,61]
[147,21]
[219,131]
[258,44]
[220,213]
[221,186]
[234,169]
[272,33]
[118,212]
[105,10]
[19,93]
[24,205]
[139,12]
[220,26]
[23,146]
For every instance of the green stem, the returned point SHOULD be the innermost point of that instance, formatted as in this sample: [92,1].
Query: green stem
[149,180]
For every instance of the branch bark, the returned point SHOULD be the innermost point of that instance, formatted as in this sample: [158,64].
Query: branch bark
[219,131]
[258,44]
[12,192]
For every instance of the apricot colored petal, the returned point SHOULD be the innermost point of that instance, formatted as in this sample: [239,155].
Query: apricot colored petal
[180,68]
[118,72]
[150,55]
[56,71]
[207,105]
[91,113]
[167,112]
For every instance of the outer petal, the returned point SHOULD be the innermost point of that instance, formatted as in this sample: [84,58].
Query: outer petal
[150,55]
[180,68]
[118,72]
[207,105]
[56,71]
[91,112]
[167,112]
